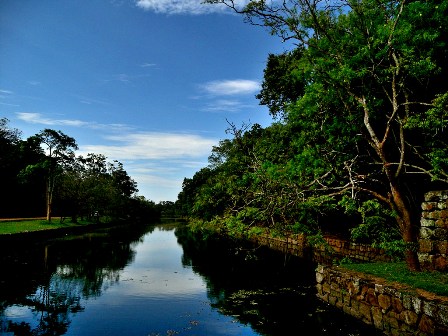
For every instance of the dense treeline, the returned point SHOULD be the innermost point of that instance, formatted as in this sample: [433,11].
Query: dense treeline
[42,176]
[361,113]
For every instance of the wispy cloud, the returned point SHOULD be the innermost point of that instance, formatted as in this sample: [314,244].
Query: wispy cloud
[6,92]
[222,93]
[223,105]
[90,101]
[7,104]
[7,96]
[130,145]
[179,6]
[154,145]
[158,161]
[125,78]
[37,118]
[148,65]
[231,87]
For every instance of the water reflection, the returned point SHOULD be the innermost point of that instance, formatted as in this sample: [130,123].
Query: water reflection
[45,282]
[273,293]
[159,280]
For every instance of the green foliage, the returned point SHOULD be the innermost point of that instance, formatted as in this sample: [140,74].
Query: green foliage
[362,101]
[72,186]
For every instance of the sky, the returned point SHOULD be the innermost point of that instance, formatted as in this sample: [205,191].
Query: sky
[149,83]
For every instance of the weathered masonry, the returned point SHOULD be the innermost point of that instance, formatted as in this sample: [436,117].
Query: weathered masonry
[392,308]
[433,242]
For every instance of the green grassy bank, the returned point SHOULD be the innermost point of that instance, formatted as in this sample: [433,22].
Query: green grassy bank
[13,226]
[434,282]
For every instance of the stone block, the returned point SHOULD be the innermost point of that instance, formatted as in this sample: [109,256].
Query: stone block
[365,312]
[384,301]
[426,246]
[319,277]
[377,317]
[443,214]
[371,297]
[413,303]
[430,309]
[397,305]
[432,196]
[426,325]
[442,205]
[427,223]
[426,261]
[442,247]
[409,317]
[442,315]
[426,232]
[391,321]
[428,206]
[441,223]
[440,234]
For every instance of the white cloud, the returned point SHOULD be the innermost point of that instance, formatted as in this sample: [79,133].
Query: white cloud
[154,145]
[37,118]
[6,104]
[147,65]
[223,105]
[124,78]
[178,6]
[185,6]
[231,87]
[157,161]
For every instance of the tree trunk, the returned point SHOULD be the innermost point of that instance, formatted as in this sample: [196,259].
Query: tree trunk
[407,228]
[50,187]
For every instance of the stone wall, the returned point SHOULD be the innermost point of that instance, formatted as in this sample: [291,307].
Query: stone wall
[393,309]
[433,240]
[332,250]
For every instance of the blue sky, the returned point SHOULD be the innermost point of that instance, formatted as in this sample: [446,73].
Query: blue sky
[149,83]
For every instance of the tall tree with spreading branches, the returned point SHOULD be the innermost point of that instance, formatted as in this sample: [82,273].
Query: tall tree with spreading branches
[373,99]
[59,150]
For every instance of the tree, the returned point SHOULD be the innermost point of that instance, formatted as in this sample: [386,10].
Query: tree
[59,149]
[21,195]
[373,112]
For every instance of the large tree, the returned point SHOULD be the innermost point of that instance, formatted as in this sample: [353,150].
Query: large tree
[59,150]
[373,109]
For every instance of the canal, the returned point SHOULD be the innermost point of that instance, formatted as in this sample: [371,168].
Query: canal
[160,280]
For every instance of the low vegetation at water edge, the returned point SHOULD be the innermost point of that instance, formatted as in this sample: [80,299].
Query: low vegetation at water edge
[434,282]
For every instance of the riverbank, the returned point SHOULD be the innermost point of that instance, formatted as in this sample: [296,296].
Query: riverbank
[404,307]
[12,229]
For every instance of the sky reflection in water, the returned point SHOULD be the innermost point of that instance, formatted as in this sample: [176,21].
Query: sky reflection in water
[154,294]
[160,281]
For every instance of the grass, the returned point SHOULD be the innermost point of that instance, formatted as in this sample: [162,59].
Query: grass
[18,226]
[434,282]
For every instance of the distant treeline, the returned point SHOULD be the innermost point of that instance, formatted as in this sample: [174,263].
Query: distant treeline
[42,176]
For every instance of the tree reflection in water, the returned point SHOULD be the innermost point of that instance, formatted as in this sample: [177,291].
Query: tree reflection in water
[49,280]
[43,286]
[272,292]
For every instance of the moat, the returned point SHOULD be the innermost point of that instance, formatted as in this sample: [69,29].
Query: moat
[160,280]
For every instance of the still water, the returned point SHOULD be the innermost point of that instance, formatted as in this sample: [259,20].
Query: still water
[161,280]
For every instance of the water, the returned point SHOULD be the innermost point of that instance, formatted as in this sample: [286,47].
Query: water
[161,280]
